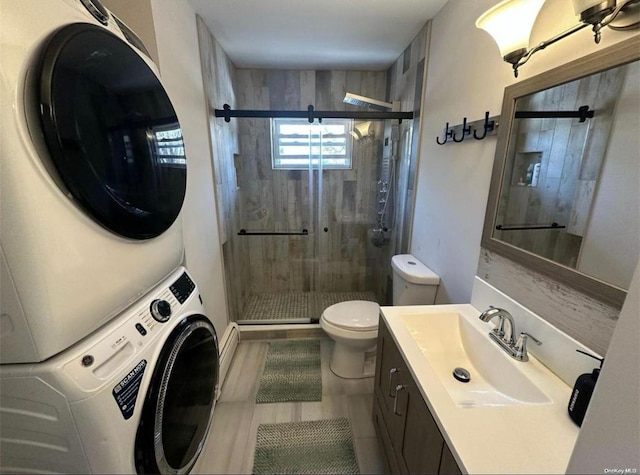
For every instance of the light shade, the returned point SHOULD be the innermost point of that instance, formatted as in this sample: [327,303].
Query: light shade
[510,23]
[581,5]
[361,130]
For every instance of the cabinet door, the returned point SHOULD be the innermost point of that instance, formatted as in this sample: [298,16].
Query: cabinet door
[412,440]
[421,445]
[391,371]
[448,465]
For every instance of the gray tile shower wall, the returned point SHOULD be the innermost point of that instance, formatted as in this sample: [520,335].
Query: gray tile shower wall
[219,78]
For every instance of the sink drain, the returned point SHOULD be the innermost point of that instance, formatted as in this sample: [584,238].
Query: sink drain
[462,375]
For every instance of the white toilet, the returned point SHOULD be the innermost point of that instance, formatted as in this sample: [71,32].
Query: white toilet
[353,325]
[413,282]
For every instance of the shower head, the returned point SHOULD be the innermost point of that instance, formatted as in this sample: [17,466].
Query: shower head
[363,101]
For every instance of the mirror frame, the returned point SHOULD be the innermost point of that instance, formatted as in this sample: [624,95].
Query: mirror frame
[618,54]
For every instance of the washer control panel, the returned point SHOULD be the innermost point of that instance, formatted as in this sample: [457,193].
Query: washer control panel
[123,344]
[182,288]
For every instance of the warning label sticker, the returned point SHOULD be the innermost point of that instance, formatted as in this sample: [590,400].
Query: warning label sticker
[126,391]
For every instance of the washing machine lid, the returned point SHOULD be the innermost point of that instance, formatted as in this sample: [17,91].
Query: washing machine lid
[357,315]
[113,136]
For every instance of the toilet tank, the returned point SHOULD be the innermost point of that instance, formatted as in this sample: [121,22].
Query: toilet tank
[413,282]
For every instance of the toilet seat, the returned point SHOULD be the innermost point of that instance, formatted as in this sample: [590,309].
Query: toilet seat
[353,315]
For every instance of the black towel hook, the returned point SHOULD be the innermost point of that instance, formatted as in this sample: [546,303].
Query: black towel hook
[466,130]
[447,134]
[487,126]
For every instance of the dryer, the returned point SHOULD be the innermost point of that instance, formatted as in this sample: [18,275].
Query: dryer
[138,396]
[93,175]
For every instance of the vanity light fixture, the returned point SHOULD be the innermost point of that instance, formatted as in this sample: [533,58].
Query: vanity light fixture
[510,23]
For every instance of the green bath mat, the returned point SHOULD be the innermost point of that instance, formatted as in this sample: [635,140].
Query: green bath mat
[291,372]
[320,447]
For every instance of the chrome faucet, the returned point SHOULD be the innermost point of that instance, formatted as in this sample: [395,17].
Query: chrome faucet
[503,333]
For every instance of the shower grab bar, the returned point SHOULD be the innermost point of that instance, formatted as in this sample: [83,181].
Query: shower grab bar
[244,232]
[500,227]
[227,113]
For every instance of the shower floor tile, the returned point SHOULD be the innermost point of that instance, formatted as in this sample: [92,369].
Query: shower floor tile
[295,307]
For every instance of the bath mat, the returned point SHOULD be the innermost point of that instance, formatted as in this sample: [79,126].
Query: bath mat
[305,447]
[291,372]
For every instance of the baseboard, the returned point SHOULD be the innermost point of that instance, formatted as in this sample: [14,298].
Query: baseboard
[228,344]
[275,332]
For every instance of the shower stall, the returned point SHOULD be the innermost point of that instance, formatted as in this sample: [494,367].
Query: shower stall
[310,208]
[312,230]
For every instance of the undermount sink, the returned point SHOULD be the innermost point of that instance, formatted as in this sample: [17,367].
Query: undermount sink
[451,340]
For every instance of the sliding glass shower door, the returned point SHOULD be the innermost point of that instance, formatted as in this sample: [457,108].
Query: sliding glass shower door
[309,218]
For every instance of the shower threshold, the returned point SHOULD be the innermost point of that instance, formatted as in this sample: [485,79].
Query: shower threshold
[295,307]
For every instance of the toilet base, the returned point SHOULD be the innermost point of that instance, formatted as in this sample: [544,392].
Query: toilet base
[349,363]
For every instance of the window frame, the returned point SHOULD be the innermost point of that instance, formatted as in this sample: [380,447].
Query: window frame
[176,156]
[306,161]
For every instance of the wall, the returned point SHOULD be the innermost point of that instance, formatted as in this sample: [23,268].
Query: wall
[137,16]
[453,179]
[176,34]
[466,77]
[620,177]
[609,438]
[405,83]
[219,75]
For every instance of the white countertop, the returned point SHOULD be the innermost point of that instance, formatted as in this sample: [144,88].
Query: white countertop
[505,439]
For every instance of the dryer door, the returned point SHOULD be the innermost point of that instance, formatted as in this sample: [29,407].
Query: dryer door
[179,403]
[112,133]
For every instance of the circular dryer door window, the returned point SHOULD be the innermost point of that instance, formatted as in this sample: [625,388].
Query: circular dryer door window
[111,131]
[179,403]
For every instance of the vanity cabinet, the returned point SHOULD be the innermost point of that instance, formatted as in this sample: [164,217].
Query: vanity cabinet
[411,439]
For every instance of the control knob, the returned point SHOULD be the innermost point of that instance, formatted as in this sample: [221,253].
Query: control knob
[160,310]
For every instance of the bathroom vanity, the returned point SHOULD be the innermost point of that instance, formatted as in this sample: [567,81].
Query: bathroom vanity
[509,418]
[411,438]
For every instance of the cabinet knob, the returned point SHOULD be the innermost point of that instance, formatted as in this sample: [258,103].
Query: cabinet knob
[399,388]
[392,372]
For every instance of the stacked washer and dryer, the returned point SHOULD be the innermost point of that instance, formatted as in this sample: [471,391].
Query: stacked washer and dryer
[107,361]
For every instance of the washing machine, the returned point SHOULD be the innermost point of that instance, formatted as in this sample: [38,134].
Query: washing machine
[136,397]
[93,174]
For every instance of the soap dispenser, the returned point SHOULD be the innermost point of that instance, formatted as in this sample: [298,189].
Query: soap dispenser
[582,391]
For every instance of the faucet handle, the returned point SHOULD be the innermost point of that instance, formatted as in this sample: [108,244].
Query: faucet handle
[520,348]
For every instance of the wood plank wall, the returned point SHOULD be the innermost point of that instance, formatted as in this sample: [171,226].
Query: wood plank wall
[589,321]
[406,79]
[218,78]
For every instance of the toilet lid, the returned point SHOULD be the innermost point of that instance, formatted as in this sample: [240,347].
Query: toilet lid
[358,315]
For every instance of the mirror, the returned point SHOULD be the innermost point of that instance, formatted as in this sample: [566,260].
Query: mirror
[565,196]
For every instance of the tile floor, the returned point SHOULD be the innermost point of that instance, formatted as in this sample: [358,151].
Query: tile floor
[295,307]
[231,442]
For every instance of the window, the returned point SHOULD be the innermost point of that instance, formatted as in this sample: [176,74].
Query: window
[296,144]
[170,146]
